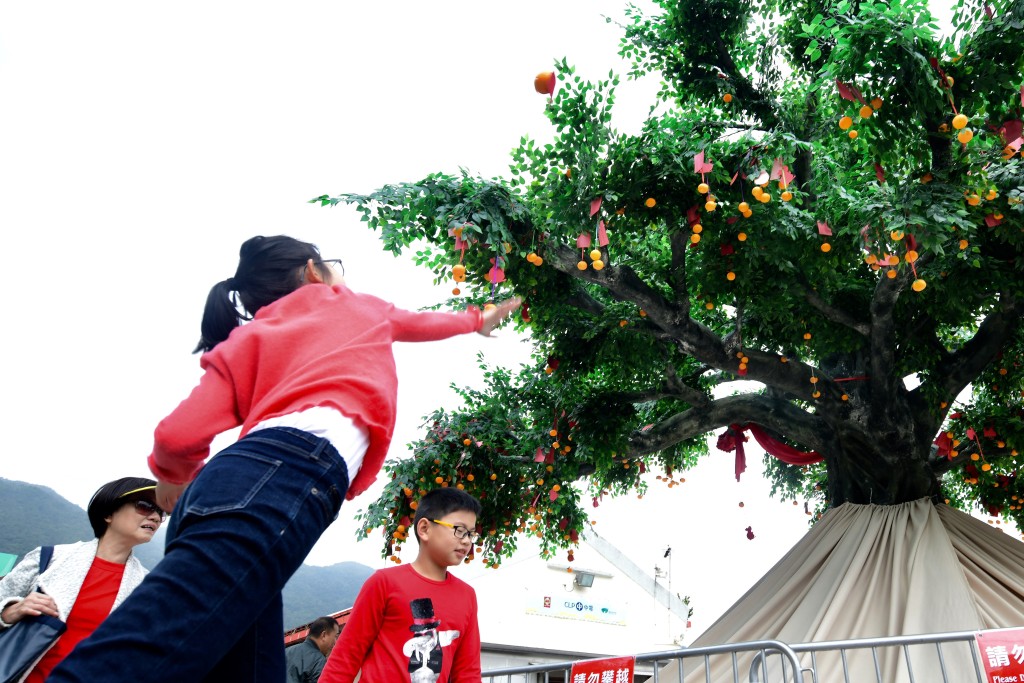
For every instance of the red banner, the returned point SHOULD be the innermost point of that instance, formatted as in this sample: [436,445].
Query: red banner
[612,670]
[1002,653]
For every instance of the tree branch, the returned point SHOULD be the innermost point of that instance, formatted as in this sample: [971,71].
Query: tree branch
[781,416]
[964,365]
[836,315]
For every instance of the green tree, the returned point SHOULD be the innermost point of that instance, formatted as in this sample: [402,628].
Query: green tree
[818,232]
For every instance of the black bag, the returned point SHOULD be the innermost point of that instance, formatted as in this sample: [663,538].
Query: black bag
[22,644]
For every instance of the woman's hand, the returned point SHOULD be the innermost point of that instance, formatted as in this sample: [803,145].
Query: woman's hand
[167,495]
[33,605]
[494,316]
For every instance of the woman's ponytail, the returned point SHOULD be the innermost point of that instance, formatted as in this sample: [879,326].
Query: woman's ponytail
[268,269]
[219,317]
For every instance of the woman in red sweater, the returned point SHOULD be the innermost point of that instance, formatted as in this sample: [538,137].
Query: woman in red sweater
[311,380]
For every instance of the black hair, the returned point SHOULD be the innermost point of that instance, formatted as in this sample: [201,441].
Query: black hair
[321,625]
[444,501]
[268,269]
[112,495]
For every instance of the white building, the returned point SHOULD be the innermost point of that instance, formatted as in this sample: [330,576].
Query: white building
[533,611]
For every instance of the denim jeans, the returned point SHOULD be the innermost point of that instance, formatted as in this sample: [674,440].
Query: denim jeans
[211,609]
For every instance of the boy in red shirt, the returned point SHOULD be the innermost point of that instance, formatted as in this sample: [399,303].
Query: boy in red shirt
[417,622]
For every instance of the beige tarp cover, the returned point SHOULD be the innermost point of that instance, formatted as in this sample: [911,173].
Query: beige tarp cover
[868,570]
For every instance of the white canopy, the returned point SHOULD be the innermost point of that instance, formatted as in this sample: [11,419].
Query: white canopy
[869,570]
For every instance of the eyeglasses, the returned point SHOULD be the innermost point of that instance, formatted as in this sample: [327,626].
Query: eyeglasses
[145,508]
[336,262]
[460,531]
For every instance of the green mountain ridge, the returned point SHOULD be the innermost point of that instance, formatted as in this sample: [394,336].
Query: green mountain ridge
[32,515]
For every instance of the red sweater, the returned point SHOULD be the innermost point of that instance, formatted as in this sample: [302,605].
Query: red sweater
[318,346]
[388,637]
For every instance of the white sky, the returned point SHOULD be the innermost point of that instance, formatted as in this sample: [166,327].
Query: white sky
[141,143]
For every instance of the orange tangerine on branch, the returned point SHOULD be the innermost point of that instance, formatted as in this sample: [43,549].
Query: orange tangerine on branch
[787,195]
[876,103]
[710,205]
[743,207]
[866,112]
[911,256]
[764,198]
[852,134]
[459,272]
[582,265]
[456,291]
[896,235]
[973,199]
[845,123]
[757,191]
[960,121]
[697,228]
[918,285]
[891,274]
[826,247]
[694,238]
[703,188]
[965,136]
[963,244]
[595,254]
[598,264]
[727,97]
[544,83]
[650,202]
[742,237]
[991,194]
[730,276]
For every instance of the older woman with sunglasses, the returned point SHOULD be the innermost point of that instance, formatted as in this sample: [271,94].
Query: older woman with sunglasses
[85,581]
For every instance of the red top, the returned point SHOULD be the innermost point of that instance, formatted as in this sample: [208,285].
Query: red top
[318,346]
[405,627]
[93,604]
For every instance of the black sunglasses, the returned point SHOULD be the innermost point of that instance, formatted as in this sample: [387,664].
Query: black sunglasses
[145,508]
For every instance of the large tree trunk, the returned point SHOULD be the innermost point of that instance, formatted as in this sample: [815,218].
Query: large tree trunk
[880,464]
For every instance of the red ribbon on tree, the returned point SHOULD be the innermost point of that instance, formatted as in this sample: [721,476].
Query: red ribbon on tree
[732,440]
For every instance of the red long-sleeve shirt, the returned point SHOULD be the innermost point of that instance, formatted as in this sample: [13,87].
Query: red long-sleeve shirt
[318,346]
[386,639]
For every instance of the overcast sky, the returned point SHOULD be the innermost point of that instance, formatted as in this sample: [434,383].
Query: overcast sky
[141,143]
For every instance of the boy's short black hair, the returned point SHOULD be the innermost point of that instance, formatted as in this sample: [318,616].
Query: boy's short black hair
[444,501]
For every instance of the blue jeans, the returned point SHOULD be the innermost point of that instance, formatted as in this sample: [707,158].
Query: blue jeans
[211,609]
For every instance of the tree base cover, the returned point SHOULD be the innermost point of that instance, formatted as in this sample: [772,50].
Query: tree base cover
[880,570]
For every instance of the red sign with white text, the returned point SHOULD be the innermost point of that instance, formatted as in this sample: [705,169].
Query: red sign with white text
[612,670]
[1002,653]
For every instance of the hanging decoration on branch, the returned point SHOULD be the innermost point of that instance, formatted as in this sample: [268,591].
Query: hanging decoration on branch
[703,167]
[732,439]
[544,83]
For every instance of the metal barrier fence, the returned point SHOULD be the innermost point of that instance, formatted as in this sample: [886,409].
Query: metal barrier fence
[928,658]
[559,672]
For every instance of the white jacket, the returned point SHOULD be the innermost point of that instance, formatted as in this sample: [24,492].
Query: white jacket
[63,578]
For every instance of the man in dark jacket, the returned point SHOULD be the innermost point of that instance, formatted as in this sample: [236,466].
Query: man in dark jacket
[306,660]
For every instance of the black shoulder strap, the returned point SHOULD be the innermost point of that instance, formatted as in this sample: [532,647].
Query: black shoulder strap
[45,555]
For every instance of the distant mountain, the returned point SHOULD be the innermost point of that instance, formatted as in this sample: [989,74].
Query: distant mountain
[31,515]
